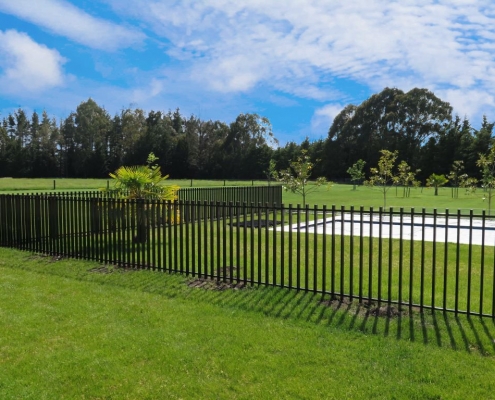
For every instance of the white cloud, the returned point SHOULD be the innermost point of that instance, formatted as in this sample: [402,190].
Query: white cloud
[323,117]
[153,89]
[286,50]
[295,46]
[27,66]
[67,20]
[469,103]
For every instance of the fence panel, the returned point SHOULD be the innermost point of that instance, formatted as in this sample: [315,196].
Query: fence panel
[442,261]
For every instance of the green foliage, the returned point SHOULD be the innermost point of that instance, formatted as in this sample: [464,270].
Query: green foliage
[436,181]
[470,184]
[143,181]
[383,176]
[247,149]
[406,178]
[271,172]
[456,177]
[296,177]
[90,143]
[391,120]
[486,163]
[357,172]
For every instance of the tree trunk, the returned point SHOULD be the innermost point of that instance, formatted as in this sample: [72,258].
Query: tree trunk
[141,223]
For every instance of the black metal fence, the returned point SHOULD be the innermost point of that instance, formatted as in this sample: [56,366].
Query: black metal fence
[268,195]
[413,259]
[250,194]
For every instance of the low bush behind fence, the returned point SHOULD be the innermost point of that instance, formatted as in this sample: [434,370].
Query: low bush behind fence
[416,259]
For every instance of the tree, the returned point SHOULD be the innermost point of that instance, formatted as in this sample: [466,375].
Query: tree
[143,182]
[68,146]
[210,136]
[391,120]
[406,178]
[436,181]
[128,128]
[4,145]
[481,144]
[452,145]
[456,177]
[247,143]
[469,183]
[421,115]
[92,128]
[296,177]
[357,172]
[486,162]
[271,172]
[284,155]
[383,175]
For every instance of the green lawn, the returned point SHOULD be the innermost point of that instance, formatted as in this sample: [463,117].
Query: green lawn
[8,185]
[72,329]
[338,195]
[344,195]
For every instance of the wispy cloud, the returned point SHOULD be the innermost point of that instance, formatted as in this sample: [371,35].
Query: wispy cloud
[63,18]
[28,67]
[323,118]
[295,47]
[300,61]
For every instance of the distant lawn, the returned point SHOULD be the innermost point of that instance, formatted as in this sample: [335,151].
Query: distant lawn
[338,195]
[68,184]
[344,195]
[75,329]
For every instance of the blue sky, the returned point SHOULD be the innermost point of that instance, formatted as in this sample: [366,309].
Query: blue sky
[297,62]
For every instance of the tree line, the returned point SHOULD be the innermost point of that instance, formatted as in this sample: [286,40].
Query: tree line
[417,125]
[90,143]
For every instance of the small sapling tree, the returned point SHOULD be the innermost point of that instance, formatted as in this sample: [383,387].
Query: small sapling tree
[357,173]
[271,172]
[436,181]
[468,183]
[406,178]
[456,177]
[486,162]
[383,176]
[296,177]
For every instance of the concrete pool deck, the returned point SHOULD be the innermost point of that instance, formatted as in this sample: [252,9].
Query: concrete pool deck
[452,230]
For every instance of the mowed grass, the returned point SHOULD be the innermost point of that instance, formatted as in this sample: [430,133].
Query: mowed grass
[72,329]
[337,194]
[419,198]
[447,276]
[12,185]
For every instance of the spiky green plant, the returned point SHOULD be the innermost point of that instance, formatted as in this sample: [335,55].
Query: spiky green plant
[144,182]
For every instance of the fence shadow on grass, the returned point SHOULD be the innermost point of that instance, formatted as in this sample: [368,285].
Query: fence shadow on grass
[463,333]
[471,334]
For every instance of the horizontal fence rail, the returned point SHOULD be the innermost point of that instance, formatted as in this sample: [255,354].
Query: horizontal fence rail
[440,261]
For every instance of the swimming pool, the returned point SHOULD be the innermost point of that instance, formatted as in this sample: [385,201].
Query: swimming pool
[418,227]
